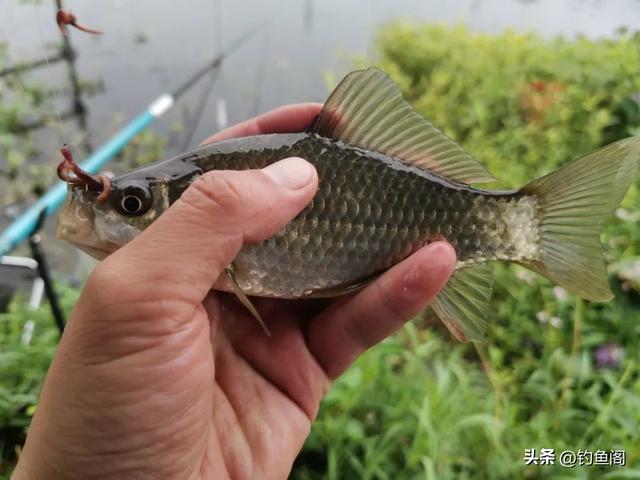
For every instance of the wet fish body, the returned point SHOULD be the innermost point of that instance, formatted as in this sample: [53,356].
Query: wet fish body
[389,183]
[370,212]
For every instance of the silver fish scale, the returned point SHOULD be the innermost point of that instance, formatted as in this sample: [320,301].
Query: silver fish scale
[370,212]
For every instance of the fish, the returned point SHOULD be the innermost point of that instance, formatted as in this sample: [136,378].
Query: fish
[390,182]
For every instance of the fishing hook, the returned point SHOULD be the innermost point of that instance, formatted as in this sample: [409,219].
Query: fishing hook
[69,171]
[67,18]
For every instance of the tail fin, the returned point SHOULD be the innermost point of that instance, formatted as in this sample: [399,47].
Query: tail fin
[574,202]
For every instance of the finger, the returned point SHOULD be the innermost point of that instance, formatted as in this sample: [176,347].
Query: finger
[350,326]
[303,380]
[182,253]
[289,118]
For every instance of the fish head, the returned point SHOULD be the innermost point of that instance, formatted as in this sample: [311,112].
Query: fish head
[99,226]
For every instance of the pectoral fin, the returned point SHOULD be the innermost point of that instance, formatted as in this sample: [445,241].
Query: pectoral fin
[230,270]
[343,289]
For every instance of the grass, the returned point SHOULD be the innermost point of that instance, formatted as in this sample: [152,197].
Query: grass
[418,406]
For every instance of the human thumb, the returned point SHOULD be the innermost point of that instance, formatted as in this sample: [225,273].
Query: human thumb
[186,248]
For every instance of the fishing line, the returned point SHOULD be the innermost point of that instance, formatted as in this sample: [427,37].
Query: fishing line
[22,226]
[202,102]
[260,73]
[52,88]
[195,119]
[221,106]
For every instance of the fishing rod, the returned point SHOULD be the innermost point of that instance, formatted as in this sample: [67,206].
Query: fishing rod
[26,223]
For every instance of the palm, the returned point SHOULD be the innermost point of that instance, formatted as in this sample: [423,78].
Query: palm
[263,391]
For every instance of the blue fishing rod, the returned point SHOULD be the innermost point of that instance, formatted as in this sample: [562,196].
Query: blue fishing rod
[27,222]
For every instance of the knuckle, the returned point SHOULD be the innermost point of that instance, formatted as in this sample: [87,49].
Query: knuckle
[103,285]
[216,194]
[227,247]
[359,333]
[391,303]
[102,278]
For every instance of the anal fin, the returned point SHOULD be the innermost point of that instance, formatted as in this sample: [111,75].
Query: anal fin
[230,270]
[463,303]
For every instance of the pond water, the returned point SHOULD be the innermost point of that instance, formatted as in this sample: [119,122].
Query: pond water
[150,46]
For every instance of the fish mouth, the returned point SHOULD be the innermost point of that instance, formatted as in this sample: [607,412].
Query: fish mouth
[88,245]
[76,226]
[83,239]
[94,250]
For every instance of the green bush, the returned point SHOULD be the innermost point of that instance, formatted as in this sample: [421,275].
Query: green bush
[418,407]
[521,104]
[24,361]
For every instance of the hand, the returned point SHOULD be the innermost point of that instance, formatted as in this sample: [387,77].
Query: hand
[157,377]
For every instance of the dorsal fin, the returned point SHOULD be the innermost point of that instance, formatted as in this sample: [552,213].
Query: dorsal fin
[367,110]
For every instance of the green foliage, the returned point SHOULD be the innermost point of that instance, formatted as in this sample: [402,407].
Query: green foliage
[418,407]
[24,360]
[146,148]
[25,107]
[521,104]
[16,100]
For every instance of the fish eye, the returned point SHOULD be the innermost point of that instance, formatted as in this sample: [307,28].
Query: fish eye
[134,200]
[131,204]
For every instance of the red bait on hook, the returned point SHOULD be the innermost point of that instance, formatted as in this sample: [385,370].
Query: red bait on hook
[67,18]
[69,171]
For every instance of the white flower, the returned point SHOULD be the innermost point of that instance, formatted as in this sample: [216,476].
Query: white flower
[555,322]
[542,316]
[525,276]
[560,293]
[623,214]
